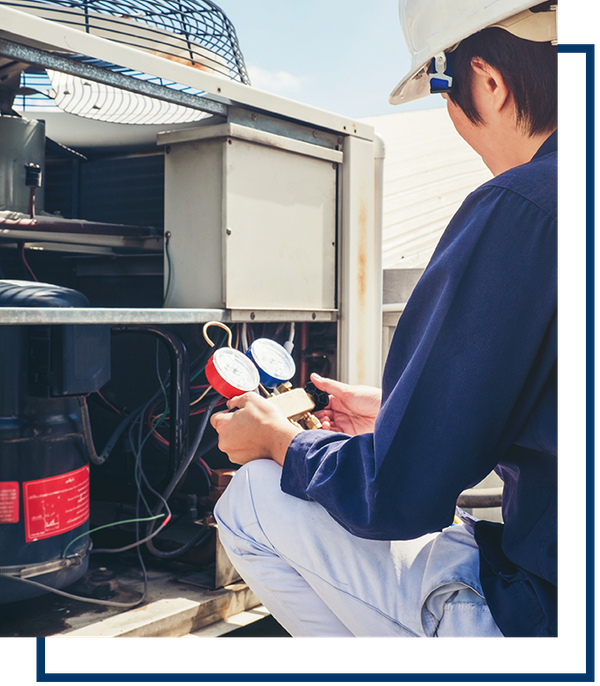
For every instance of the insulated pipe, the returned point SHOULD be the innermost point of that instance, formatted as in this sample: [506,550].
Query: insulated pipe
[11,220]
[480,497]
[180,387]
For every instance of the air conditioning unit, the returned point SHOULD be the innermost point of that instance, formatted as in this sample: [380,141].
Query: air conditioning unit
[168,195]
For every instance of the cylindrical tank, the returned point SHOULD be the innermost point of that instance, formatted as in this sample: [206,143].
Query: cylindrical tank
[44,464]
[22,142]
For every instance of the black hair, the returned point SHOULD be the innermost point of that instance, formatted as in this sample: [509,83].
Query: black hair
[528,68]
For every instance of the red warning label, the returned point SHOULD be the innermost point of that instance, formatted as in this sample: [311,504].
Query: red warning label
[9,502]
[57,504]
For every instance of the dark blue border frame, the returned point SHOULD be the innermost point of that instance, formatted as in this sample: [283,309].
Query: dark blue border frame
[586,675]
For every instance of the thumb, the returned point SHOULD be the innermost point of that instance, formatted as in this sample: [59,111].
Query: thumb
[328,385]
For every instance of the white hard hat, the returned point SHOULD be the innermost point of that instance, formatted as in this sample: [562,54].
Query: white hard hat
[432,27]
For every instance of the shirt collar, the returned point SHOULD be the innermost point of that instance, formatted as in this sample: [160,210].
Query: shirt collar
[548,146]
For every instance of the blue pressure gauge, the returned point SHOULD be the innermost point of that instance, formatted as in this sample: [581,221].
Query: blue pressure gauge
[275,364]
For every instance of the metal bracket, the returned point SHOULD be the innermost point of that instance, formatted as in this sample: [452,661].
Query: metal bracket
[75,67]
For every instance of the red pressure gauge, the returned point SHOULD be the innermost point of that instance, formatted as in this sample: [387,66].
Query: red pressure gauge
[231,373]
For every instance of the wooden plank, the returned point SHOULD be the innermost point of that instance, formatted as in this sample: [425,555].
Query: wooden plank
[231,623]
[174,616]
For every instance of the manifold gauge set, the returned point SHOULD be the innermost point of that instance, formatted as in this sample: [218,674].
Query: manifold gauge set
[231,373]
[266,366]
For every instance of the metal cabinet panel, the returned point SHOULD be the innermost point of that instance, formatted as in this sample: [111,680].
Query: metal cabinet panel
[280,235]
[252,220]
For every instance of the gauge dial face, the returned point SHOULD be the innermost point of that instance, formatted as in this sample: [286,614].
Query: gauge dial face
[231,373]
[274,362]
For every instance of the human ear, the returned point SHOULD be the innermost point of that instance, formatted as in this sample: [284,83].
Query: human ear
[490,84]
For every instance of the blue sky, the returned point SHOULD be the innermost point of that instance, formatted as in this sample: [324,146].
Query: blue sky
[344,56]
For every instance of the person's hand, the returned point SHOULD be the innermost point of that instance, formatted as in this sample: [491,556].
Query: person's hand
[351,409]
[256,429]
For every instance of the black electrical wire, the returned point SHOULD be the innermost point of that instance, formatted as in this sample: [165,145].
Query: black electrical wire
[110,603]
[138,548]
[130,420]
[112,441]
[203,534]
[138,541]
[88,438]
[123,424]
[197,365]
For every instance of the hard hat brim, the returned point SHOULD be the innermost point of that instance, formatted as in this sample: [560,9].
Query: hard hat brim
[539,27]
[414,85]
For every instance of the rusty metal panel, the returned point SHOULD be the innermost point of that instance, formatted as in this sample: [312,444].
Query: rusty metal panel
[360,268]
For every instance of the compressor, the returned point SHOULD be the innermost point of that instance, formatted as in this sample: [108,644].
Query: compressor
[45,371]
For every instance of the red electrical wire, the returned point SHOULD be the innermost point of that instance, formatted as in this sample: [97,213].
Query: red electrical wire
[33,276]
[109,404]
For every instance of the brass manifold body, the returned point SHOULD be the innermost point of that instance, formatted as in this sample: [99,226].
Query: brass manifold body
[297,405]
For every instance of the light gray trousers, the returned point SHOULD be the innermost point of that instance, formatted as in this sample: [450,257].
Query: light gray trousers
[319,580]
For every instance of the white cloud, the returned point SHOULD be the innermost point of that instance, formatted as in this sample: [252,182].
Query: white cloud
[274,81]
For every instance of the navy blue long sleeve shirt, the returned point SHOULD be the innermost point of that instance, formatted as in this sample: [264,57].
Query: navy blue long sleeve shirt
[469,386]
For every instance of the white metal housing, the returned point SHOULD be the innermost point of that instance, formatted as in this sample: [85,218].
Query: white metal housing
[252,219]
[344,282]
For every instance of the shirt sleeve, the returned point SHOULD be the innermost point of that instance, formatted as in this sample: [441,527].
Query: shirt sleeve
[469,359]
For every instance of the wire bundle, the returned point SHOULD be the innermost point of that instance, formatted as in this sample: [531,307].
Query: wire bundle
[145,423]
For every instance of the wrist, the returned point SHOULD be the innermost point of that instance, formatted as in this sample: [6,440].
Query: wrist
[282,439]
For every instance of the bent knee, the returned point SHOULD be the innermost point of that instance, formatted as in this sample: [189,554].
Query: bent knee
[252,481]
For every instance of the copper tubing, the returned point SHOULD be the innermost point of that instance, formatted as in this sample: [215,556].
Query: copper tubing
[59,224]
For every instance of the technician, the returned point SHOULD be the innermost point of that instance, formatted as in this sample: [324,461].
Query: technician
[349,534]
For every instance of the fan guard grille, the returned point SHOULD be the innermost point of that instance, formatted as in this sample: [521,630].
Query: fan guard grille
[193,32]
